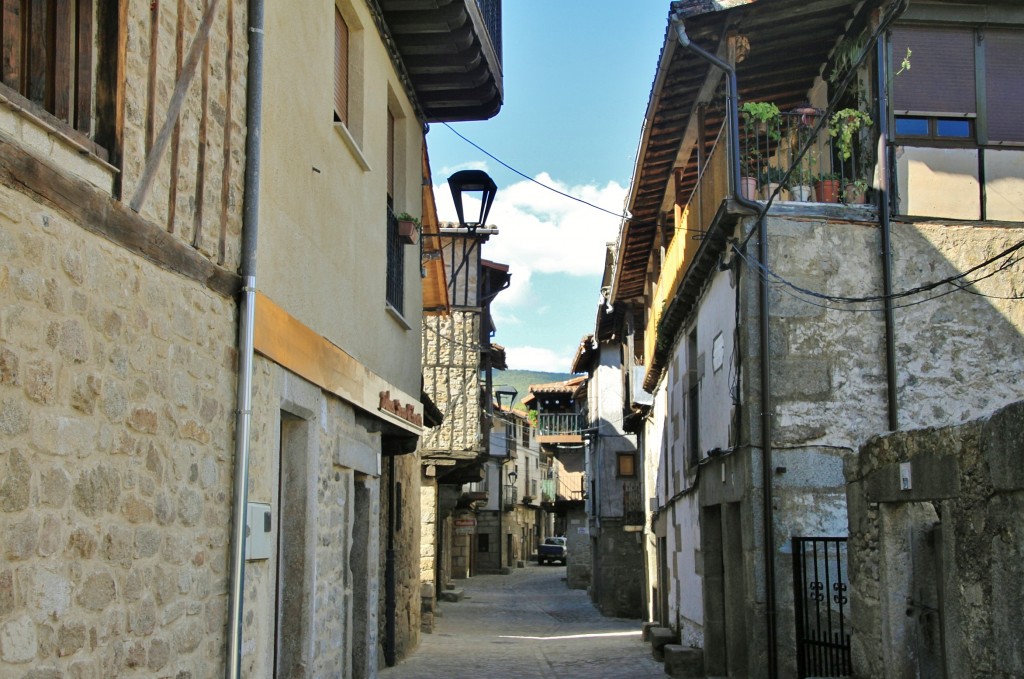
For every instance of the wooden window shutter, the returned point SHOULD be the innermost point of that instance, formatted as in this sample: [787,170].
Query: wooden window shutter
[941,77]
[1004,84]
[341,66]
[391,154]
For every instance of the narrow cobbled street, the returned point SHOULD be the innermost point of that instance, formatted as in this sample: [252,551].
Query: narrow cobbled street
[527,625]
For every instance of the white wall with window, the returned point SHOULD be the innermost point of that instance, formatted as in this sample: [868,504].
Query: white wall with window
[956,111]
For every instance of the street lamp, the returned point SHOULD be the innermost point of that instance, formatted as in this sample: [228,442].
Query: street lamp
[507,391]
[512,476]
[471,182]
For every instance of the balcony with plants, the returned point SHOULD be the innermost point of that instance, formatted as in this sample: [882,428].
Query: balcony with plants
[786,157]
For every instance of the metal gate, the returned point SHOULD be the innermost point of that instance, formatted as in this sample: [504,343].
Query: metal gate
[821,605]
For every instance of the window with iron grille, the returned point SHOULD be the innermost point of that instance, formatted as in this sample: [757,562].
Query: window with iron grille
[395,246]
[396,265]
[59,61]
[341,67]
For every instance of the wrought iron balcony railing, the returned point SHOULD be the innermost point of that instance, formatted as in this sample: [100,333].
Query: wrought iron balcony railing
[554,424]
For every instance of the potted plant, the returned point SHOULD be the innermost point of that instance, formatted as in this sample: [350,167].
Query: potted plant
[801,181]
[855,192]
[760,121]
[826,188]
[408,228]
[844,126]
[761,114]
[771,179]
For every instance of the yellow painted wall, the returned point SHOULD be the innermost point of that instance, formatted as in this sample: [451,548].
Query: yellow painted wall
[323,227]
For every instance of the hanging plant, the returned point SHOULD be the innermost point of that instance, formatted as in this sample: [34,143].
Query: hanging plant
[843,127]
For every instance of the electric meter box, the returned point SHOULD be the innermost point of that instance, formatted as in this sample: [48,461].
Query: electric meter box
[258,543]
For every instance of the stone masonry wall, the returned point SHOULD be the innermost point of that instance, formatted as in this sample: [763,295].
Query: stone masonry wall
[958,355]
[451,374]
[935,569]
[116,396]
[198,187]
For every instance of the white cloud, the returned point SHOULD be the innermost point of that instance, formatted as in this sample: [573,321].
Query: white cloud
[536,358]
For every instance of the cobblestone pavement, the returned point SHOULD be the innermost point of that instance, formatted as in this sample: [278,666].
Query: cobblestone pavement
[527,625]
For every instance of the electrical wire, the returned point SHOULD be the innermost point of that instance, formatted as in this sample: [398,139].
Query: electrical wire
[529,178]
[959,283]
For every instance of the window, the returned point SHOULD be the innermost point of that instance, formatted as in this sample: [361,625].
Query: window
[60,61]
[395,246]
[526,434]
[954,70]
[483,542]
[341,68]
[626,464]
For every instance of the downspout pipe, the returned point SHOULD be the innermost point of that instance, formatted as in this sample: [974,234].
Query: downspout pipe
[246,327]
[732,113]
[390,597]
[884,198]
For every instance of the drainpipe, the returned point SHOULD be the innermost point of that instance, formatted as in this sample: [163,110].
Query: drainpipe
[246,325]
[390,601]
[731,108]
[886,226]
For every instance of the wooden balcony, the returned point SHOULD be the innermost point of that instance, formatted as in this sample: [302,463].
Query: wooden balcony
[560,427]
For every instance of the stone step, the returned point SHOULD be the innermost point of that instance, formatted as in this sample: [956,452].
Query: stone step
[683,662]
[452,595]
[645,631]
[660,637]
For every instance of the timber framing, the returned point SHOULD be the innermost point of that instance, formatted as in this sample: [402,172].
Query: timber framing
[99,213]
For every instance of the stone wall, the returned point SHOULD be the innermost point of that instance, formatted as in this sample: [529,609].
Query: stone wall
[116,396]
[618,558]
[451,377]
[315,460]
[407,552]
[580,565]
[936,567]
[958,355]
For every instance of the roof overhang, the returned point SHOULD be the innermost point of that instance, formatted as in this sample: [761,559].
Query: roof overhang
[451,54]
[789,44]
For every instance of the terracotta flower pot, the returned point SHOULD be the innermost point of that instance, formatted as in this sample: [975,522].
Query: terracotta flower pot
[854,195]
[407,231]
[827,190]
[748,187]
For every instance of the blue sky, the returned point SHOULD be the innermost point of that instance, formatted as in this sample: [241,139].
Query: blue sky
[577,76]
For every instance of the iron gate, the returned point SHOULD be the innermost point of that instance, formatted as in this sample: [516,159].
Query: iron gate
[821,605]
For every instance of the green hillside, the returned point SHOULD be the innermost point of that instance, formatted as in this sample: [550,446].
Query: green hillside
[520,380]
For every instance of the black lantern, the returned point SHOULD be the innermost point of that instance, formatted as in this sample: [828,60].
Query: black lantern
[507,391]
[472,182]
[512,476]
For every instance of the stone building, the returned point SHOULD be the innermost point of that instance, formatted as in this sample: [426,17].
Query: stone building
[194,484]
[120,232]
[615,508]
[458,358]
[512,511]
[337,397]
[777,335]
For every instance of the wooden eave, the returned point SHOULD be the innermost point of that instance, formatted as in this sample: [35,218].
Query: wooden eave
[451,53]
[790,42]
[435,282]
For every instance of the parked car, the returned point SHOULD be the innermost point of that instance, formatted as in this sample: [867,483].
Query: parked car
[552,550]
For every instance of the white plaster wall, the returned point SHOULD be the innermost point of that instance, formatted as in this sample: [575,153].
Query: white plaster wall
[717,317]
[1004,186]
[686,598]
[938,182]
[323,215]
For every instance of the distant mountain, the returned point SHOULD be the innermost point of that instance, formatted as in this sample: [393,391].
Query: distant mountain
[520,380]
